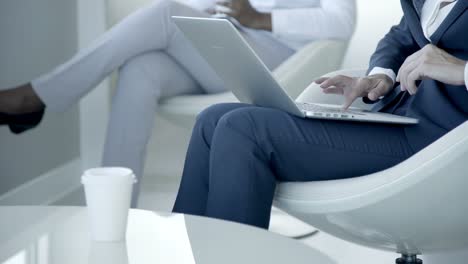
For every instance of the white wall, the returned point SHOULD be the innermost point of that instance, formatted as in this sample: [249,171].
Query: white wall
[35,36]
[375,17]
[40,166]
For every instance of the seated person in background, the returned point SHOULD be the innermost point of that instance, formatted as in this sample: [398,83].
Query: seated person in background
[155,61]
[239,152]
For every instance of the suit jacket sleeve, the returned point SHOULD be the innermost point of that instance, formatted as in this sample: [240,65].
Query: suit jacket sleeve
[394,48]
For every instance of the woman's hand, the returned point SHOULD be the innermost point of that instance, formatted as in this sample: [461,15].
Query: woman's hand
[244,12]
[351,88]
[431,63]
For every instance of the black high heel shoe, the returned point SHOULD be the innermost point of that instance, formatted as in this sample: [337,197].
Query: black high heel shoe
[19,123]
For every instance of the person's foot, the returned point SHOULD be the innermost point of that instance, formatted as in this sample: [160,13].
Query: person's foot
[20,100]
[20,108]
[19,123]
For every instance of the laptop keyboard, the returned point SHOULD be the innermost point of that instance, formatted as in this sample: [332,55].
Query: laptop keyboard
[327,111]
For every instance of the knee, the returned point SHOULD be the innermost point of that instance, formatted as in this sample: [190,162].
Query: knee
[254,117]
[239,120]
[146,64]
[214,113]
[208,119]
[251,122]
[144,74]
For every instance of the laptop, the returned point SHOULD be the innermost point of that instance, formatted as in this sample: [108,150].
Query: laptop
[244,73]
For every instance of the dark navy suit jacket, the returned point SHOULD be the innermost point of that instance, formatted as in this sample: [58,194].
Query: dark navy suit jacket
[438,106]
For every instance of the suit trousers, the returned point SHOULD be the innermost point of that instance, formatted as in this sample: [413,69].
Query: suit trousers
[155,61]
[239,152]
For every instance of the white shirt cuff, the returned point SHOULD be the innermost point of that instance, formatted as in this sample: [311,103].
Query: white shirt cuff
[389,72]
[466,76]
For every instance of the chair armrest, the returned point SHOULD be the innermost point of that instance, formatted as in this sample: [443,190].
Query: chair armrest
[441,167]
[313,93]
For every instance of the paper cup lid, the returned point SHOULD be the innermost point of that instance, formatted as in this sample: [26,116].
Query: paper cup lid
[108,175]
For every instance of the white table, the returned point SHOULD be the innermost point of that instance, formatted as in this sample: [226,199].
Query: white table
[59,235]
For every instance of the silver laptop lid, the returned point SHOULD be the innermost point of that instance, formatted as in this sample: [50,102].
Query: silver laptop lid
[231,57]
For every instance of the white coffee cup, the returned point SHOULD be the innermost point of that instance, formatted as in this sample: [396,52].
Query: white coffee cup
[108,195]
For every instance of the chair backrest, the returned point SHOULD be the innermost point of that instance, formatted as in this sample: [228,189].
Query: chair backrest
[310,62]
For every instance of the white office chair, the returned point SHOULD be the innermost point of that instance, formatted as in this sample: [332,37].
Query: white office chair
[417,207]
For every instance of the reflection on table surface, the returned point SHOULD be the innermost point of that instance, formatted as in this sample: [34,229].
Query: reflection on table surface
[53,235]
